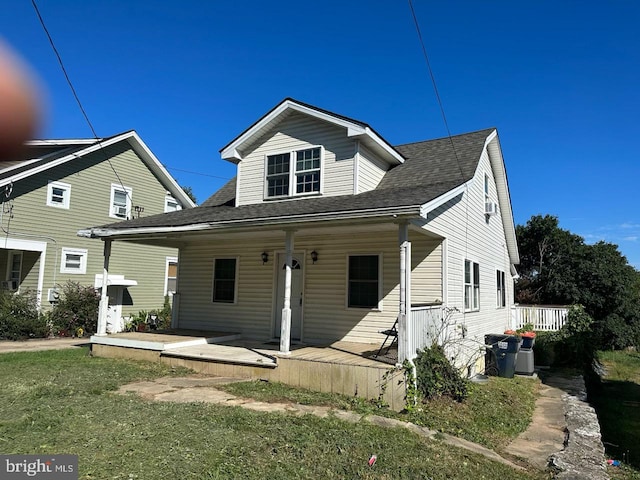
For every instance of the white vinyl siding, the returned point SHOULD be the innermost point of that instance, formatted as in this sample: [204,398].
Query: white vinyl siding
[469,236]
[298,132]
[370,170]
[58,195]
[326,315]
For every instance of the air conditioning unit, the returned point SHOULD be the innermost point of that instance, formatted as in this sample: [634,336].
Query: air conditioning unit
[121,211]
[490,208]
[53,295]
[10,285]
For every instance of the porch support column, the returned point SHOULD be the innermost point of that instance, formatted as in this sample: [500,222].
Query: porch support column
[404,315]
[104,298]
[285,321]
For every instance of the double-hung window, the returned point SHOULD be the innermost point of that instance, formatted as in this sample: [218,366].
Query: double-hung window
[364,281]
[225,274]
[293,173]
[120,201]
[58,195]
[74,260]
[501,289]
[471,285]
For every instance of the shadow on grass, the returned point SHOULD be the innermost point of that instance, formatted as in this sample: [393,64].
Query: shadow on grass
[617,404]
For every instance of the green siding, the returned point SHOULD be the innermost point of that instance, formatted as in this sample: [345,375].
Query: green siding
[90,178]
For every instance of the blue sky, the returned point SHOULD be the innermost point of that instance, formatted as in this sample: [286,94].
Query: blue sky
[558,79]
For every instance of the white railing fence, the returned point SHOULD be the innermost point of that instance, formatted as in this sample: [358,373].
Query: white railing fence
[542,317]
[424,326]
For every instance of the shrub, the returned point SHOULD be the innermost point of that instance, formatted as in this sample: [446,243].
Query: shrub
[20,318]
[576,342]
[436,376]
[77,308]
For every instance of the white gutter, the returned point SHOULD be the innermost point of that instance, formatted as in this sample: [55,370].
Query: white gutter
[99,232]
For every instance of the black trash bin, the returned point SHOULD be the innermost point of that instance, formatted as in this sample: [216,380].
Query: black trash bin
[503,353]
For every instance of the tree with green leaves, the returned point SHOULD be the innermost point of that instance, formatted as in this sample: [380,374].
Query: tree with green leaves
[558,267]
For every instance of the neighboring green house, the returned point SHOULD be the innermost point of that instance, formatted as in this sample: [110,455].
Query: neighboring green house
[60,186]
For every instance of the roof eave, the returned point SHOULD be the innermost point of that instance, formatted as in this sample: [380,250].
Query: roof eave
[123,233]
[233,150]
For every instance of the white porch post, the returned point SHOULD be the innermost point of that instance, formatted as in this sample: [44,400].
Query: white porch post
[104,298]
[285,321]
[404,316]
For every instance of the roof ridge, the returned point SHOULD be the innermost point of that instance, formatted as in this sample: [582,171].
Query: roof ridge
[446,137]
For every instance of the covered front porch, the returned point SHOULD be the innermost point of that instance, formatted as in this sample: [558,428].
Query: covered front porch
[347,368]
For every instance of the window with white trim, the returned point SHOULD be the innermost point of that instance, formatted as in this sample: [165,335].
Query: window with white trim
[471,285]
[293,173]
[171,276]
[171,204]
[74,260]
[121,198]
[58,194]
[501,294]
[364,281]
[14,267]
[225,280]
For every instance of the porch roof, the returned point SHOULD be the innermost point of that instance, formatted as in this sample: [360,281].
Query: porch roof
[431,169]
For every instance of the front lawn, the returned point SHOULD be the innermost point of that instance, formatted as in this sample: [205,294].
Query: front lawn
[493,414]
[62,402]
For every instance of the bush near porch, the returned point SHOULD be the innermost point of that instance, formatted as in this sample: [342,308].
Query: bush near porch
[20,318]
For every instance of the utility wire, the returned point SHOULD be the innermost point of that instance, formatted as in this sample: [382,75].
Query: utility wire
[195,173]
[446,124]
[435,87]
[75,95]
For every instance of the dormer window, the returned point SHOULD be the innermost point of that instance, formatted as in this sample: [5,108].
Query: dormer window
[301,176]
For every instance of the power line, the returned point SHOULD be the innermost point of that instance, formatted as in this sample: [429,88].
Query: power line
[75,95]
[435,87]
[195,173]
[446,124]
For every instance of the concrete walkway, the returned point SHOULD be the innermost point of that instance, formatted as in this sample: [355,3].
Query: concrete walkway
[37,344]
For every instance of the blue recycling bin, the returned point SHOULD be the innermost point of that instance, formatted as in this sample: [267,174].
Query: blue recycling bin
[503,352]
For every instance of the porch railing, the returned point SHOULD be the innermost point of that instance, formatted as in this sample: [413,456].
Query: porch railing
[542,317]
[424,326]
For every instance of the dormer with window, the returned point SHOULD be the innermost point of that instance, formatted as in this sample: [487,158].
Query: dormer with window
[296,151]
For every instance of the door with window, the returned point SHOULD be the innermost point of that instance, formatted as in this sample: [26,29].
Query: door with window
[297,300]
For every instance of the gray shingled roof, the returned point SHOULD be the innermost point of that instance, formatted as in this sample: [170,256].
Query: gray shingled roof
[431,169]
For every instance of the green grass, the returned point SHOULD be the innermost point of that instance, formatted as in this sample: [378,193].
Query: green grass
[493,414]
[617,402]
[63,402]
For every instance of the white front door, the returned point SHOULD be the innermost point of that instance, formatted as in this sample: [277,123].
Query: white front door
[296,296]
